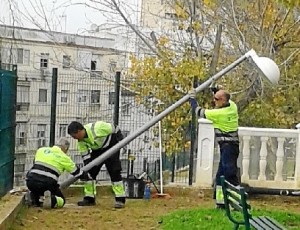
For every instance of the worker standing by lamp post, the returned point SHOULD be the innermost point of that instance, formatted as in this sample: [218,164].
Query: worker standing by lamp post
[225,121]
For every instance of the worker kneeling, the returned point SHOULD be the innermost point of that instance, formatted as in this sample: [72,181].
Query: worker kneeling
[42,178]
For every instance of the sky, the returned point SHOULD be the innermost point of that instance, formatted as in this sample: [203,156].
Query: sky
[70,16]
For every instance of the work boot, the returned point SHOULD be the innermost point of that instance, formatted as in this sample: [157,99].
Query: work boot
[220,206]
[47,200]
[119,204]
[28,198]
[87,201]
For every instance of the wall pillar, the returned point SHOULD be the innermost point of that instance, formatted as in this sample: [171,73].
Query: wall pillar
[205,154]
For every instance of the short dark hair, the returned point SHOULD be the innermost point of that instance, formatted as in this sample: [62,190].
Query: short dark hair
[227,96]
[74,127]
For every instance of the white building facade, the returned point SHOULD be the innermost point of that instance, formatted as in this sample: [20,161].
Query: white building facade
[86,69]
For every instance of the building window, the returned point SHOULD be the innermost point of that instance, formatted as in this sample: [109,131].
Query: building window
[66,62]
[63,130]
[125,133]
[23,56]
[41,135]
[20,162]
[82,96]
[20,56]
[64,96]
[95,97]
[44,60]
[42,95]
[111,98]
[22,98]
[146,138]
[20,134]
[112,66]
[170,16]
[21,138]
[93,65]
[125,109]
[84,60]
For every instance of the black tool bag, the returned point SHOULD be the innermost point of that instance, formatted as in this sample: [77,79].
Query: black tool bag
[134,187]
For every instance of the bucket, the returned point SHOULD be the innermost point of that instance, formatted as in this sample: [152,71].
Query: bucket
[134,188]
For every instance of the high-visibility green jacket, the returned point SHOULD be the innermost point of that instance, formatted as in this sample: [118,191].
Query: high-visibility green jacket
[98,136]
[225,121]
[51,162]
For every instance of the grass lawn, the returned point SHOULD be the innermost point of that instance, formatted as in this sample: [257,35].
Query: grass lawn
[209,218]
[188,209]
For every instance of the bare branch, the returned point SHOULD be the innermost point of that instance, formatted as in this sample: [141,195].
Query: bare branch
[133,27]
[214,61]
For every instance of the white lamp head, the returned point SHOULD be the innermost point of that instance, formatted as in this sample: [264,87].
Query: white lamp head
[268,68]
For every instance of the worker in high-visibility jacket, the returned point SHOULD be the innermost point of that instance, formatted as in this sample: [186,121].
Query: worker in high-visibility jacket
[42,178]
[93,140]
[225,122]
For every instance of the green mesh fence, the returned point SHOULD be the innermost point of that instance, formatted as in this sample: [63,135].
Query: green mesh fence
[8,85]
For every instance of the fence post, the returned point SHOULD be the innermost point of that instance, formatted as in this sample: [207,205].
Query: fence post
[297,169]
[53,107]
[205,154]
[117,98]
[193,137]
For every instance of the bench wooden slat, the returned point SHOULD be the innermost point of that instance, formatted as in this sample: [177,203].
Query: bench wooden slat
[255,224]
[268,222]
[261,223]
[235,204]
[234,194]
[275,223]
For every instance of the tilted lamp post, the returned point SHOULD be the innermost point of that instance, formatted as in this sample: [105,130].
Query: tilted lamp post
[266,67]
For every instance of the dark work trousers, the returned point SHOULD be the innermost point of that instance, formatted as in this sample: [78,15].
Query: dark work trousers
[39,184]
[229,153]
[112,164]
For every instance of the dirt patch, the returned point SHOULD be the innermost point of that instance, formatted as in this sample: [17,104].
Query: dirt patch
[6,203]
[138,214]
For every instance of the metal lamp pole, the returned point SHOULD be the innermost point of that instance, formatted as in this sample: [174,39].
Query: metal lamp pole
[266,66]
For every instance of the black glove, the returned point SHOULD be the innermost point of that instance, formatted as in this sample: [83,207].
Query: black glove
[200,112]
[192,100]
[215,88]
[85,176]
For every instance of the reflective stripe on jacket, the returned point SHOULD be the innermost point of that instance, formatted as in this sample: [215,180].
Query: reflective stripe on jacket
[52,162]
[225,122]
[98,136]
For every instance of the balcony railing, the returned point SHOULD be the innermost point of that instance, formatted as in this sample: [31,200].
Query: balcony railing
[269,158]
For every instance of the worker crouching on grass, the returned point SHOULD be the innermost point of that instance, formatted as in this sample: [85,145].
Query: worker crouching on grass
[93,140]
[42,178]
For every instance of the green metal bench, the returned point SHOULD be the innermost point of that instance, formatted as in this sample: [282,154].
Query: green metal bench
[235,199]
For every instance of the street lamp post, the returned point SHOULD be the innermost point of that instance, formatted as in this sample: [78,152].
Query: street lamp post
[266,67]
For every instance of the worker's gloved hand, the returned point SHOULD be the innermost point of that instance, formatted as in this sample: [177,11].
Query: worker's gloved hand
[215,87]
[193,103]
[192,100]
[123,150]
[200,112]
[85,176]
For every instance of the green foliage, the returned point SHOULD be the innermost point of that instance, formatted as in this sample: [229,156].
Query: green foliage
[290,3]
[272,30]
[267,26]
[168,78]
[217,219]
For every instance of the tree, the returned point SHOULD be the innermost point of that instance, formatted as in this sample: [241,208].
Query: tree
[267,26]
